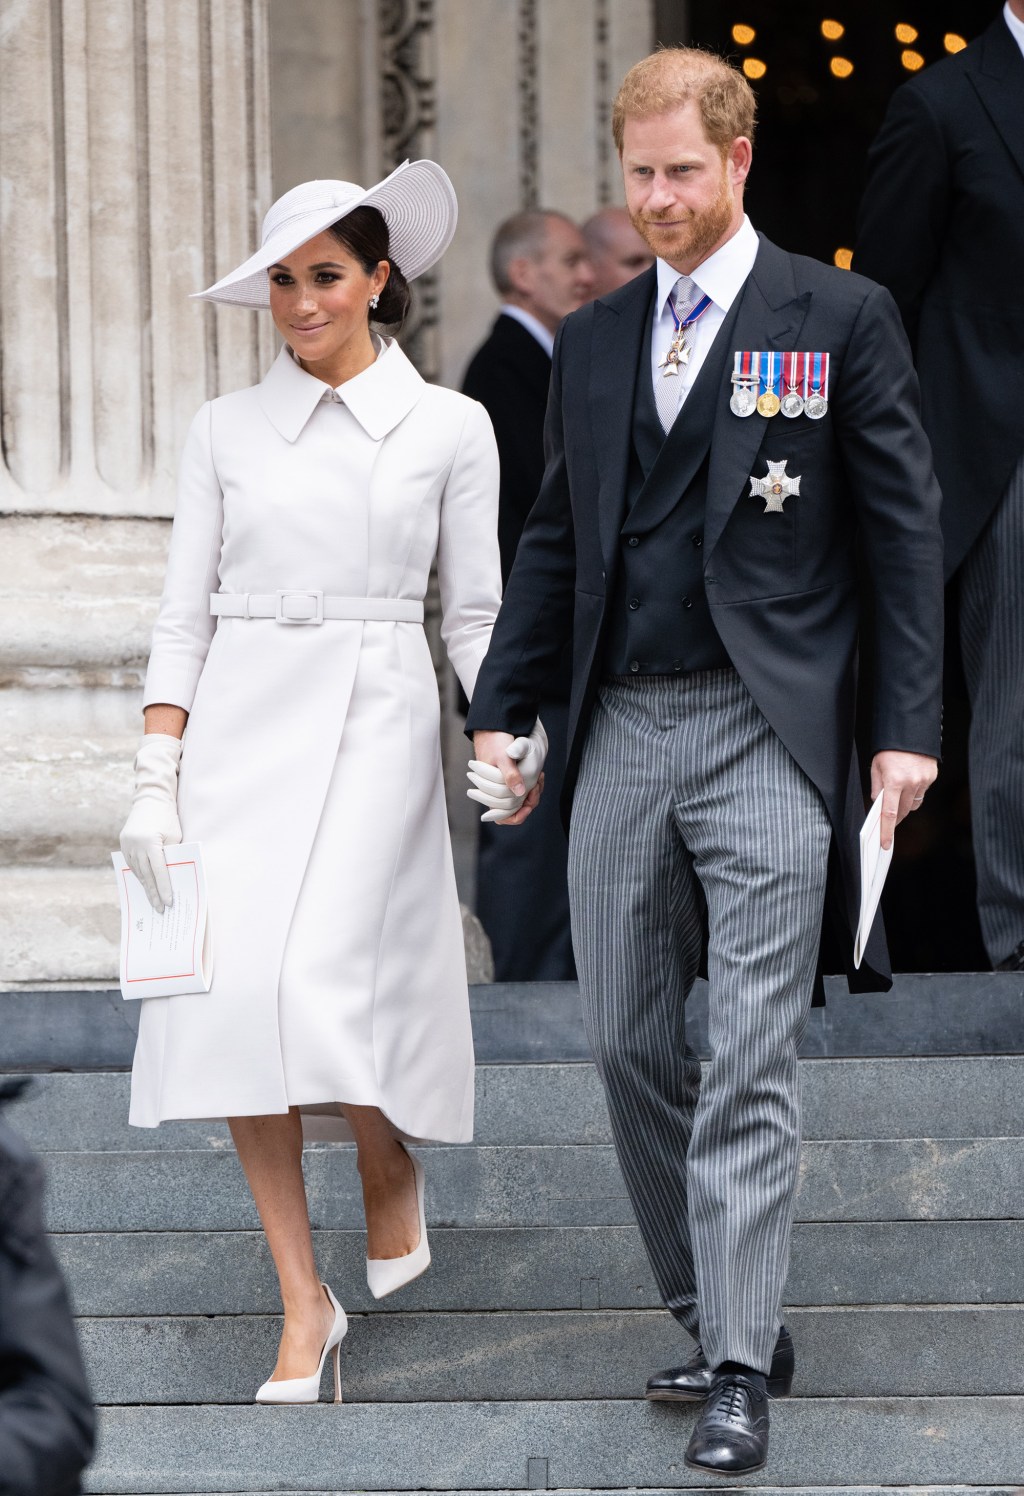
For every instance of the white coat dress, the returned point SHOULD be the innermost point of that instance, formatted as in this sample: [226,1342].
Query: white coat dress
[311,770]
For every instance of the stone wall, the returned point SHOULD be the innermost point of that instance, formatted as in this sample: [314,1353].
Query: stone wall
[134,160]
[140,143]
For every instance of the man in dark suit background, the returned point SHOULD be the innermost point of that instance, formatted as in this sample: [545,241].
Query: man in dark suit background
[541,270]
[700,547]
[942,226]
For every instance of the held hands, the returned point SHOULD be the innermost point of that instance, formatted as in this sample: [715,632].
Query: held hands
[506,774]
[152,823]
[903,779]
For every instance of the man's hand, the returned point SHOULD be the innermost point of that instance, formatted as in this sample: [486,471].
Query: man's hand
[903,779]
[492,748]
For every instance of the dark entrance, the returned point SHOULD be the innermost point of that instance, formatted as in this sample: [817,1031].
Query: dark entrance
[823,73]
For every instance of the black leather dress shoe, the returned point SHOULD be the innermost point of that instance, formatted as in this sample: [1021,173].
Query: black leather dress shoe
[691,1383]
[731,1435]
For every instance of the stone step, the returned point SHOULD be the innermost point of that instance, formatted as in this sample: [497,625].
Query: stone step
[851,1352]
[689,1491]
[874,1180]
[815,1442]
[958,1013]
[590,1267]
[564,1103]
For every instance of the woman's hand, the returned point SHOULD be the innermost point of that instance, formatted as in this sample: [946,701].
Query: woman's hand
[152,823]
[507,774]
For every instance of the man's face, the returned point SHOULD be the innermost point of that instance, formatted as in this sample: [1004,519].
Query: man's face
[559,279]
[622,256]
[682,196]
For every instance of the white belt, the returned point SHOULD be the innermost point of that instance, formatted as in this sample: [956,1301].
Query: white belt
[305,606]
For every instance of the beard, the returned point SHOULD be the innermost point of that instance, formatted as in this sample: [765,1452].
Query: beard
[691,241]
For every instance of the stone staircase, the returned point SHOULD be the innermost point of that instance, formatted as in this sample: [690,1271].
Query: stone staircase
[518,1361]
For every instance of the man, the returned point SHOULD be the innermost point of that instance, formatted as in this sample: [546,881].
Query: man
[942,225]
[701,545]
[541,271]
[617,252]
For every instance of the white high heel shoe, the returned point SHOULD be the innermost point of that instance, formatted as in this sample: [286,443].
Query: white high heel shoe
[307,1389]
[385,1274]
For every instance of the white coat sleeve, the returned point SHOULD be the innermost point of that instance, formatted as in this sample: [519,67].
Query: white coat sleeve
[468,564]
[184,626]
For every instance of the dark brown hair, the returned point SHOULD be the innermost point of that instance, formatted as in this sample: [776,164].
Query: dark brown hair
[364,233]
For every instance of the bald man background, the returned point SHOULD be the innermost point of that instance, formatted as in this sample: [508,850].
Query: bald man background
[617,252]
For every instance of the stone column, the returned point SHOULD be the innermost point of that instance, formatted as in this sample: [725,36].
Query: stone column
[134,167]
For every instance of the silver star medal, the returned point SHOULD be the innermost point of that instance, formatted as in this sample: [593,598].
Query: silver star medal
[678,353]
[775,487]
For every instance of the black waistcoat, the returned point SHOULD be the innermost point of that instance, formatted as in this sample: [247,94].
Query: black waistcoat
[660,620]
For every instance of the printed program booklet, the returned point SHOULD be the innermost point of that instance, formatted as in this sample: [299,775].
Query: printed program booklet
[163,955]
[874,864]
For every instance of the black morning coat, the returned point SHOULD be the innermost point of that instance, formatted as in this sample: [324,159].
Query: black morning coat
[942,226]
[782,588]
[46,1413]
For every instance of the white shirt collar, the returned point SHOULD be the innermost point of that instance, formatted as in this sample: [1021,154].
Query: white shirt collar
[720,276]
[379,398]
[526,319]
[1016,26]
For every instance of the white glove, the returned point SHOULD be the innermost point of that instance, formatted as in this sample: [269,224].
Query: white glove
[489,787]
[152,822]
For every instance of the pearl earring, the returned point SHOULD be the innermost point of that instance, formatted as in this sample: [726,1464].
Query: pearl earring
[374,300]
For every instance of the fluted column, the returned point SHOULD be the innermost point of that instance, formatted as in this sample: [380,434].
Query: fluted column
[134,167]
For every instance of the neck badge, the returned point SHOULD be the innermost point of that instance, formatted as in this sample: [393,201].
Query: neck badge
[775,487]
[680,348]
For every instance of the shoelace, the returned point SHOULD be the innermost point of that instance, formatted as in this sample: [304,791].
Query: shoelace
[731,1403]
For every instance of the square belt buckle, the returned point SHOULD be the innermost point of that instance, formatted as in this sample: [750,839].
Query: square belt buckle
[300,607]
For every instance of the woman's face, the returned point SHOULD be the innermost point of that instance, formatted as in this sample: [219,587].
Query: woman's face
[320,296]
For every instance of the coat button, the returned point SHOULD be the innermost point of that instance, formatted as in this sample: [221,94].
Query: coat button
[634,603]
[677,664]
[698,540]
[632,540]
[634,665]
[686,602]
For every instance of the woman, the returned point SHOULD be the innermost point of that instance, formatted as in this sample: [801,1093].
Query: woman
[312,507]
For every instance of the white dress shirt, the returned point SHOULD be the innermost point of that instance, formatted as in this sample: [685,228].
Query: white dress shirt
[529,321]
[1016,26]
[721,277]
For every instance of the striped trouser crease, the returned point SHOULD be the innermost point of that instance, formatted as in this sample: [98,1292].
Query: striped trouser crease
[686,799]
[992,647]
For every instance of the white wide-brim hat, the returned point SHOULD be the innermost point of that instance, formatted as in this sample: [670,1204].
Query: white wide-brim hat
[418,203]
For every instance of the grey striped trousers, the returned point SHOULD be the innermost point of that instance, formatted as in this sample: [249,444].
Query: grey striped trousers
[992,646]
[684,789]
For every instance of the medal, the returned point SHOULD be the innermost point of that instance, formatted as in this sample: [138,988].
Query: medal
[743,401]
[679,349]
[768,402]
[775,487]
[792,400]
[816,403]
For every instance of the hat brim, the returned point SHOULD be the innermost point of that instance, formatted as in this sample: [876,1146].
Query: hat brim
[419,206]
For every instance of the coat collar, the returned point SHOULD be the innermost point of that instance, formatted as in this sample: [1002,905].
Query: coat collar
[379,398]
[996,69]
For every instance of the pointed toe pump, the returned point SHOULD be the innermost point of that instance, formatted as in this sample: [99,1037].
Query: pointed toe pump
[385,1274]
[307,1389]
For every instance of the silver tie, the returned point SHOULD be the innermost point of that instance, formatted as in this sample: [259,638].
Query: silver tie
[668,388]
